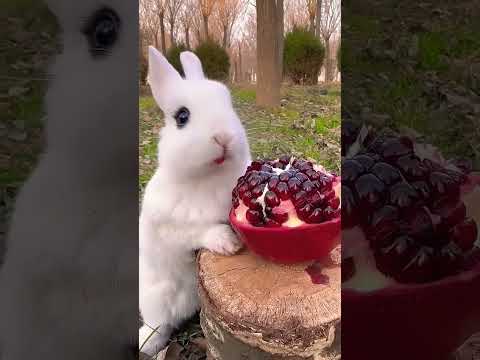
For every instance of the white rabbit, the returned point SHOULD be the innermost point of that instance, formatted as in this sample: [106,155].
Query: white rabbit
[203,150]
[68,285]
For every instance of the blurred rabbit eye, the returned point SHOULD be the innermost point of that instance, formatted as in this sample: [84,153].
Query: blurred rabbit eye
[181,117]
[102,31]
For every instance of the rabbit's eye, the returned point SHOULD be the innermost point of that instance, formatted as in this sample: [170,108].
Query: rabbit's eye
[102,31]
[181,117]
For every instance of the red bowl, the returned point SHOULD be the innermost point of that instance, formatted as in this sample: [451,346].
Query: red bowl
[416,322]
[289,245]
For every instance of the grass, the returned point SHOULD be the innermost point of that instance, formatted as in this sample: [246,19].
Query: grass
[28,41]
[307,125]
[423,78]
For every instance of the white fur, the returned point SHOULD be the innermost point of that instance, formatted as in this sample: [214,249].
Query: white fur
[70,245]
[187,201]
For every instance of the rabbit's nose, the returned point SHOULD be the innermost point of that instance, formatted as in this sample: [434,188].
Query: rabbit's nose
[223,138]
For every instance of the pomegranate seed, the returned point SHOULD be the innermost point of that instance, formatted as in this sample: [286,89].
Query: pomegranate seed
[284,159]
[313,175]
[271,199]
[254,181]
[279,215]
[299,199]
[351,170]
[301,177]
[242,190]
[284,176]
[386,173]
[366,161]
[254,217]
[282,190]
[294,184]
[256,165]
[305,211]
[403,195]
[317,216]
[370,191]
[308,186]
[317,198]
[451,212]
[272,184]
[334,203]
[442,183]
[465,234]
[258,190]
[330,214]
[411,167]
[271,223]
[394,148]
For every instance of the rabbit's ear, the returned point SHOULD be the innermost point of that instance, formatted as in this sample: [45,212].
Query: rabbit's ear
[192,67]
[162,77]
[160,72]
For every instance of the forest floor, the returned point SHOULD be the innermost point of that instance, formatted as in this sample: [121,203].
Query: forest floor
[415,65]
[307,124]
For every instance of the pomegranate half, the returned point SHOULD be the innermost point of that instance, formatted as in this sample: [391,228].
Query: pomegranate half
[287,210]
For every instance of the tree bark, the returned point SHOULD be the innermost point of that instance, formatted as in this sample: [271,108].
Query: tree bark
[225,37]
[256,310]
[162,32]
[172,35]
[312,23]
[187,37]
[240,71]
[281,29]
[205,27]
[268,53]
[318,18]
[328,61]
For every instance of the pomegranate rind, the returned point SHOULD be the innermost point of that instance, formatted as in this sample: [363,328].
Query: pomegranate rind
[288,245]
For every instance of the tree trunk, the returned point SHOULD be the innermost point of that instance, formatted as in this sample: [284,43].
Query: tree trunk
[162,32]
[240,71]
[225,37]
[312,23]
[281,29]
[205,27]
[328,62]
[187,37]
[235,74]
[268,53]
[172,36]
[156,39]
[256,310]
[318,18]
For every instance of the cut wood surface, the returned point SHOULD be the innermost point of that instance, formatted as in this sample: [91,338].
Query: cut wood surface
[254,309]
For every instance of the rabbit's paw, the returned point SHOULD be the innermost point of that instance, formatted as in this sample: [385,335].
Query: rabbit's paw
[222,240]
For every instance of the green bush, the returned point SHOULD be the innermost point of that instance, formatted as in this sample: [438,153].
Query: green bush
[173,56]
[214,58]
[303,56]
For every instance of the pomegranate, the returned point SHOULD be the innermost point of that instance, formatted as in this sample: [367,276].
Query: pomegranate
[287,209]
[410,250]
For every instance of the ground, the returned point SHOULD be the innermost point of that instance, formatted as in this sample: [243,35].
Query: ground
[415,64]
[306,124]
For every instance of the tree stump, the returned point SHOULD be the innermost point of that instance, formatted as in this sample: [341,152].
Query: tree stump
[254,309]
